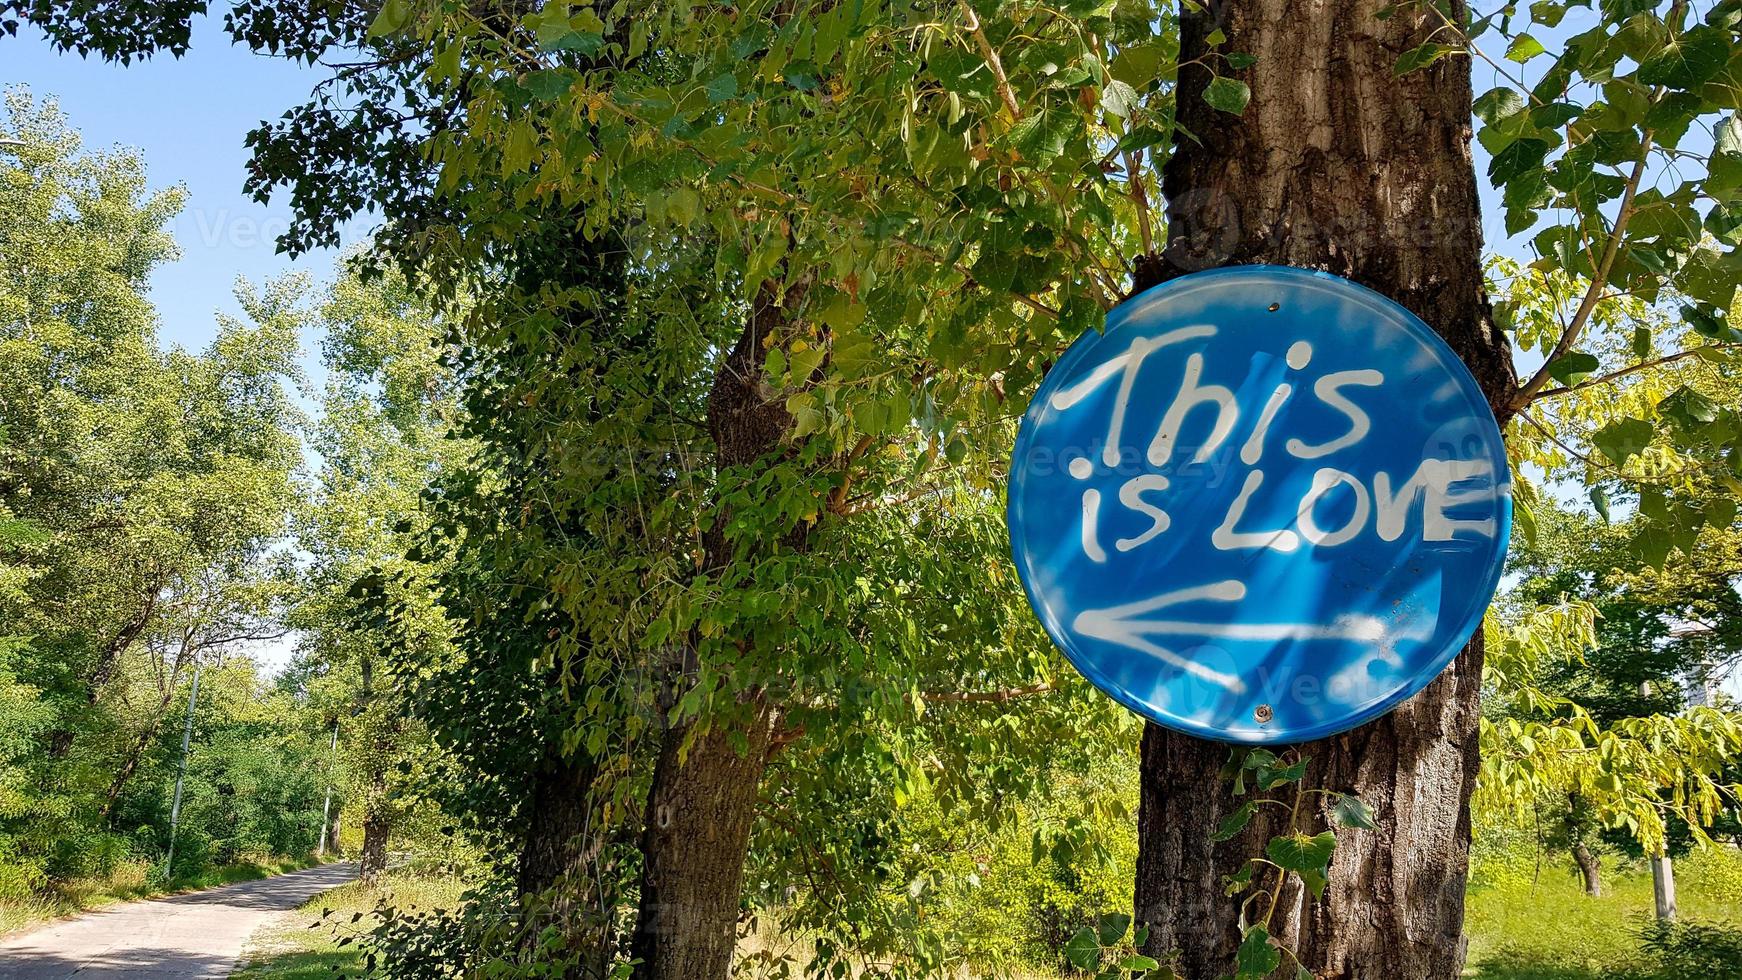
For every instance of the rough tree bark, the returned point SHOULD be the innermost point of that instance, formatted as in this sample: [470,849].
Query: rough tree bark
[377,808]
[559,860]
[372,859]
[1590,870]
[703,800]
[1338,165]
[558,839]
[1579,830]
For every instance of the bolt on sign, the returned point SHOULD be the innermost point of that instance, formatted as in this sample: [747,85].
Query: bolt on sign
[1262,505]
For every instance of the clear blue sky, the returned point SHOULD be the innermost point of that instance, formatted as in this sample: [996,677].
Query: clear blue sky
[187,117]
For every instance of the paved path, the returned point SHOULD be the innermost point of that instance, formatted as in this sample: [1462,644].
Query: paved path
[195,935]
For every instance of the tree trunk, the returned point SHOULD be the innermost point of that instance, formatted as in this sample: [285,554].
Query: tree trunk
[129,765]
[698,830]
[135,752]
[703,800]
[557,837]
[560,882]
[382,724]
[1336,164]
[376,825]
[1589,869]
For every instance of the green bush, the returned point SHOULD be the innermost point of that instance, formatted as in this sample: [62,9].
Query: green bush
[1716,871]
[1684,951]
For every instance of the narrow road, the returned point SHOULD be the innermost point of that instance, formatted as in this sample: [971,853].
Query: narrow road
[195,935]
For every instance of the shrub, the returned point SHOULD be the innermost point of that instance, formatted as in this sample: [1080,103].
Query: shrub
[1682,951]
[1716,871]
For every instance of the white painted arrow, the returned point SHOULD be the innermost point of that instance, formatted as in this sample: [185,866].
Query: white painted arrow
[1116,624]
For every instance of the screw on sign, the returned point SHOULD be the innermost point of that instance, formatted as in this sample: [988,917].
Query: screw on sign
[1263,505]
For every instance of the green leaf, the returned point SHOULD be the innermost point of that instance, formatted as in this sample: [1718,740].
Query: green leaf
[1258,759]
[1497,104]
[1554,115]
[1727,135]
[1137,961]
[804,363]
[801,75]
[1351,811]
[392,19]
[1256,958]
[1573,366]
[1548,14]
[1240,61]
[1420,57]
[1042,136]
[1523,48]
[1688,60]
[549,84]
[683,204]
[1298,852]
[723,88]
[1083,951]
[1721,512]
[1236,883]
[16,530]
[1623,440]
[1235,822]
[1641,345]
[1138,65]
[1688,408]
[1112,927]
[960,72]
[1119,99]
[1519,157]
[1707,322]
[807,414]
[1270,778]
[1228,94]
[587,43]
[1141,138]
[1652,545]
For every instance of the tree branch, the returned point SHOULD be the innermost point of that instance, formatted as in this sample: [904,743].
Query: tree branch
[972,21]
[838,499]
[1599,279]
[864,504]
[1634,369]
[988,697]
[1139,200]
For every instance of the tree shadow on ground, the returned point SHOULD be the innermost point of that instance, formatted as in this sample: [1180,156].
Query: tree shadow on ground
[1534,964]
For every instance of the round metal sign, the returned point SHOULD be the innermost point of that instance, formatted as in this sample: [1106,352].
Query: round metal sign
[1264,505]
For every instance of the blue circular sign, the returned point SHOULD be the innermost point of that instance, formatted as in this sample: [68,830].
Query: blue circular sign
[1264,505]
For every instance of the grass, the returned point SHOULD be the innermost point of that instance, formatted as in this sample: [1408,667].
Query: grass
[1525,925]
[130,880]
[305,945]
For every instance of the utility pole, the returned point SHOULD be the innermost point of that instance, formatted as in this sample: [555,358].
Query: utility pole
[187,734]
[327,806]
